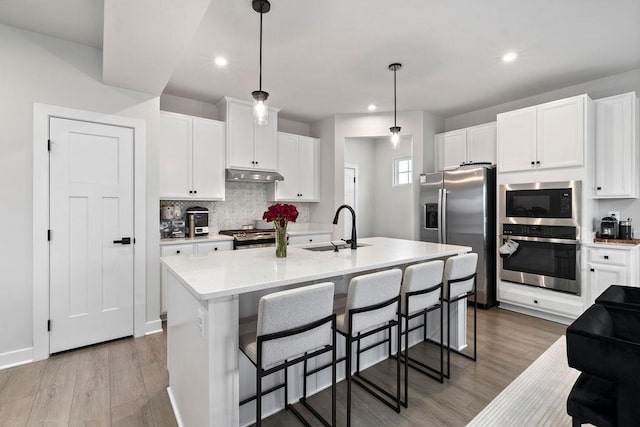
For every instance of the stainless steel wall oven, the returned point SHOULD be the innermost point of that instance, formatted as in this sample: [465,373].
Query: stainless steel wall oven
[544,219]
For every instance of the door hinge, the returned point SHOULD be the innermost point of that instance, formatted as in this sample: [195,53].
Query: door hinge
[48,235]
[48,145]
[49,325]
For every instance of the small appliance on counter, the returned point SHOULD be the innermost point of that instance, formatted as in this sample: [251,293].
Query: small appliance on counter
[200,220]
[625,231]
[609,228]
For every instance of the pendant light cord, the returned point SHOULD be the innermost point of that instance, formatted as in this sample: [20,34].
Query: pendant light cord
[395,109]
[260,81]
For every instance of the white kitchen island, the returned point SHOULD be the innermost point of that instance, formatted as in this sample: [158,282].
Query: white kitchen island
[204,293]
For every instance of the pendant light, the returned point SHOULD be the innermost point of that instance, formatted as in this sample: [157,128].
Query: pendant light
[395,129]
[260,110]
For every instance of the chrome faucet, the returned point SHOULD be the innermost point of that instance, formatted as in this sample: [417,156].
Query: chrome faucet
[354,238]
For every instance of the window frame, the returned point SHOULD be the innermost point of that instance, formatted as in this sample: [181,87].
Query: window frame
[396,171]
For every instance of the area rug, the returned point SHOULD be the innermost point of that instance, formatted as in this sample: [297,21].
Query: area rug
[538,397]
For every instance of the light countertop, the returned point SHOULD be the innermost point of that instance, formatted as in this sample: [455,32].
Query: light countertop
[219,274]
[199,239]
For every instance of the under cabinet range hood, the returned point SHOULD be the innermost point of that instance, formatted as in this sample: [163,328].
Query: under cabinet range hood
[248,175]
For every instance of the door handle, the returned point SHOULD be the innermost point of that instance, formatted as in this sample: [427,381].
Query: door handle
[124,241]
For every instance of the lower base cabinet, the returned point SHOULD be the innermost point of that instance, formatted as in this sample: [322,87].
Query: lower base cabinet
[606,266]
[186,249]
[533,299]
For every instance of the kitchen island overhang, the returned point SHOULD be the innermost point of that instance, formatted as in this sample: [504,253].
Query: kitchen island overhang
[203,312]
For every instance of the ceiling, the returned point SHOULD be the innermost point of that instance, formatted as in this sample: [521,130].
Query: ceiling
[331,56]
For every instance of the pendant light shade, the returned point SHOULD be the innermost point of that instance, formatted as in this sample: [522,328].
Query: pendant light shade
[260,109]
[395,129]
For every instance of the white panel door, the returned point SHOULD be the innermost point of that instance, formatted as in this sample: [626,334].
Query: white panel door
[350,187]
[175,156]
[208,159]
[455,149]
[439,152]
[560,133]
[602,276]
[481,143]
[516,134]
[91,196]
[287,190]
[240,136]
[307,168]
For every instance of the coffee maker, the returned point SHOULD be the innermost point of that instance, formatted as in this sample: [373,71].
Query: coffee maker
[199,217]
[609,228]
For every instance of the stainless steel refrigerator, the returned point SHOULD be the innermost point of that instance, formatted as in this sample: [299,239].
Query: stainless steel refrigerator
[459,207]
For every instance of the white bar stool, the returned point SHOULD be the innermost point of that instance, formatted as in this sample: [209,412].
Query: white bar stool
[460,283]
[421,293]
[293,326]
[373,302]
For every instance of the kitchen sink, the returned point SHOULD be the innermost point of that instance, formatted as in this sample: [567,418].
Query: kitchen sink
[326,248]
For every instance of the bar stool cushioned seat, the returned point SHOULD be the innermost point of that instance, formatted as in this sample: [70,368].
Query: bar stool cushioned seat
[292,326]
[421,292]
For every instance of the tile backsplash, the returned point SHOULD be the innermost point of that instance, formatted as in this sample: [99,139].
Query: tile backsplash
[244,203]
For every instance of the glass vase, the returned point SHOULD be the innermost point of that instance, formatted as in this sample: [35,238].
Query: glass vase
[281,239]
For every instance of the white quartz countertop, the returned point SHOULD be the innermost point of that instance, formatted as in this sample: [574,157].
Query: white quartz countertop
[199,239]
[219,274]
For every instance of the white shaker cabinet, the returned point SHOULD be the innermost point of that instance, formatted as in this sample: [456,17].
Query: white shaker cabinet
[616,159]
[191,158]
[469,145]
[298,164]
[249,146]
[545,136]
[613,265]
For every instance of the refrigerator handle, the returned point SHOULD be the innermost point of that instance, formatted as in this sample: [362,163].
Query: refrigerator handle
[443,215]
[440,215]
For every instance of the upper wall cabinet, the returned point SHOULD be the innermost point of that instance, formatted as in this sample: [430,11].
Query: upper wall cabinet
[191,154]
[469,145]
[298,163]
[249,146]
[550,135]
[616,171]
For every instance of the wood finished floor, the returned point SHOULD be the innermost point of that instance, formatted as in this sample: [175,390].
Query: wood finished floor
[123,383]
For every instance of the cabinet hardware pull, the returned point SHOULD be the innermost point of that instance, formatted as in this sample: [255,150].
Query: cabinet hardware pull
[215,249]
[532,163]
[606,257]
[537,162]
[598,188]
[592,270]
[123,241]
[178,251]
[535,301]
[195,191]
[190,191]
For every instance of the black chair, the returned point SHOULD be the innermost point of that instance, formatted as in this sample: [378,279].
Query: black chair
[604,343]
[620,296]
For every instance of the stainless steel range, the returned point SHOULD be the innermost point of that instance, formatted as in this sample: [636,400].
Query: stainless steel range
[249,239]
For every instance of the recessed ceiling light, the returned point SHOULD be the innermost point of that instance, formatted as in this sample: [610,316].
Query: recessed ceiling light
[372,107]
[220,61]
[509,57]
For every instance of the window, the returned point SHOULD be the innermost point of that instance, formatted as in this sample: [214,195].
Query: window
[402,171]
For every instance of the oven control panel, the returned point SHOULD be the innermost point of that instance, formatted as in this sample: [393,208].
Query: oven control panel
[544,231]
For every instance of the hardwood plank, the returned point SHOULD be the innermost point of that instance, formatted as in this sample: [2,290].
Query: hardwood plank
[53,401]
[15,413]
[24,381]
[135,413]
[5,374]
[125,376]
[161,409]
[91,407]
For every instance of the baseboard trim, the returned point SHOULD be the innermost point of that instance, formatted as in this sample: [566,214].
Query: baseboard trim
[174,406]
[16,358]
[153,327]
[535,313]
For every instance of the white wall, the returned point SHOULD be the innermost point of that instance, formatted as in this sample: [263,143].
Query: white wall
[42,69]
[600,88]
[394,209]
[362,152]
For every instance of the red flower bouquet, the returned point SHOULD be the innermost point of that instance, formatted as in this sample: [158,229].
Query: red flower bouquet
[280,215]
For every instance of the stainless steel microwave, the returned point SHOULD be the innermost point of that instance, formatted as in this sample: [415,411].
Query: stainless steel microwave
[541,203]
